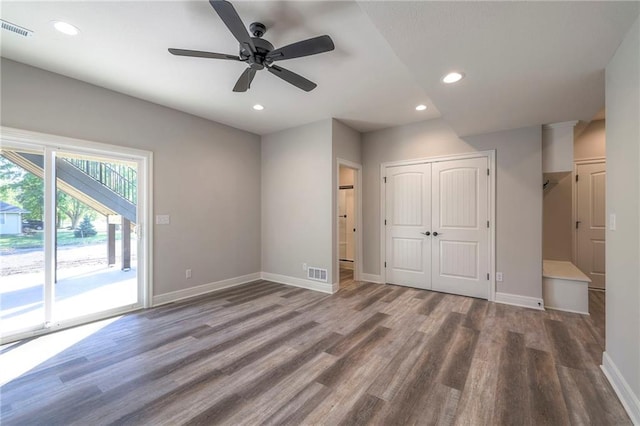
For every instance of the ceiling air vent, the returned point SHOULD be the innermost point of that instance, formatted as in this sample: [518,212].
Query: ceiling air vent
[317,274]
[16,29]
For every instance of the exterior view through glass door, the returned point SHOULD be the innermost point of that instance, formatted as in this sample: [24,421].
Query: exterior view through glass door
[21,244]
[96,217]
[69,237]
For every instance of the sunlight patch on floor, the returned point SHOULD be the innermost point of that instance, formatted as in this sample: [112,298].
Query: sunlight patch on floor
[25,357]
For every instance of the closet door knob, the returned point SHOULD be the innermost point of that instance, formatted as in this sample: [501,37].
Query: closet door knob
[426,233]
[435,234]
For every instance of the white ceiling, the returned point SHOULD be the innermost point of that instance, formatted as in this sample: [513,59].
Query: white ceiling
[526,63]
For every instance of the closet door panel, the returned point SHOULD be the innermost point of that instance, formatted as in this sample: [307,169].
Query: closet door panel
[460,233]
[408,217]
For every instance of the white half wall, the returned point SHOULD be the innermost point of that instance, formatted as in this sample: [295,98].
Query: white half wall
[623,201]
[206,175]
[518,192]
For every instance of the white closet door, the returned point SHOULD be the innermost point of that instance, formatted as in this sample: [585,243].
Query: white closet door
[408,216]
[460,261]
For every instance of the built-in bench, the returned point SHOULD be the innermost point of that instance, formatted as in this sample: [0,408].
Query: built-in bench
[565,287]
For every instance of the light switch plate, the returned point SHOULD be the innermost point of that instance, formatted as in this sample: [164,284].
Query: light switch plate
[163,219]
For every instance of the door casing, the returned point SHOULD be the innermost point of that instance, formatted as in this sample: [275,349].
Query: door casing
[491,160]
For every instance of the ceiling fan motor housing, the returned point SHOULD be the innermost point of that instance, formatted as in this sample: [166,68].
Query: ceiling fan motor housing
[257,29]
[263,47]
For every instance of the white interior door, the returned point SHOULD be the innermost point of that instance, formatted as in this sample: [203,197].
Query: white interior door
[591,221]
[460,262]
[408,217]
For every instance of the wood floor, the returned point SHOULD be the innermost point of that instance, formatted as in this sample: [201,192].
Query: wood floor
[266,353]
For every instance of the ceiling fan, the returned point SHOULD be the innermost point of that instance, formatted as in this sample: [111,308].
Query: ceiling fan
[258,53]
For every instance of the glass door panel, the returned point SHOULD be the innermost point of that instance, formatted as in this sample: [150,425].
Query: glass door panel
[22,229]
[96,255]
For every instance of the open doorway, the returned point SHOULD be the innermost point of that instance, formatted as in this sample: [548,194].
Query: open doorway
[349,218]
[575,226]
[589,215]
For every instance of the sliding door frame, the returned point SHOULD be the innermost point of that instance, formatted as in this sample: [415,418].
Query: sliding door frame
[491,157]
[50,144]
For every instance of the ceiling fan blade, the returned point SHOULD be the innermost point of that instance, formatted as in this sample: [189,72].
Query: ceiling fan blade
[244,82]
[232,20]
[308,47]
[199,54]
[293,78]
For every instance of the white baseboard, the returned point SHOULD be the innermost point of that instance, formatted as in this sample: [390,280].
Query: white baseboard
[566,310]
[299,282]
[517,300]
[371,278]
[173,296]
[629,400]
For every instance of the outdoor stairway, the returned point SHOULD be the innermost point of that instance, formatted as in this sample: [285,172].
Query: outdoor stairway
[106,191]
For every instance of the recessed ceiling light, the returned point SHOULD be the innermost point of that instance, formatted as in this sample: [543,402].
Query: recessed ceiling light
[258,107]
[421,107]
[65,28]
[452,77]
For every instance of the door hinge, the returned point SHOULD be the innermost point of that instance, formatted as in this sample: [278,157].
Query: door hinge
[576,178]
[487,224]
[487,276]
[385,179]
[385,264]
[488,172]
[385,222]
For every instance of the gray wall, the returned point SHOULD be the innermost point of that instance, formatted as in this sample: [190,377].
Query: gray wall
[518,192]
[623,197]
[206,175]
[297,200]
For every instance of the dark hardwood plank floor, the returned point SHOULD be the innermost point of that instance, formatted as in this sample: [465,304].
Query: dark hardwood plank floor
[265,353]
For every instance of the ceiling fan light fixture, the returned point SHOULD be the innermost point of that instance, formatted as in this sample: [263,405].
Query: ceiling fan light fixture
[66,28]
[258,107]
[452,77]
[421,107]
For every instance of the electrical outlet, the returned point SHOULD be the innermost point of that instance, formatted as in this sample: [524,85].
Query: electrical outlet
[499,277]
[187,273]
[304,267]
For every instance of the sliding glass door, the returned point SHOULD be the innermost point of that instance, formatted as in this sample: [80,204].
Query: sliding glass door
[21,245]
[78,254]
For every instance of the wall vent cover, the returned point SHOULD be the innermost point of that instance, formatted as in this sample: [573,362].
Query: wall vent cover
[16,29]
[317,274]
